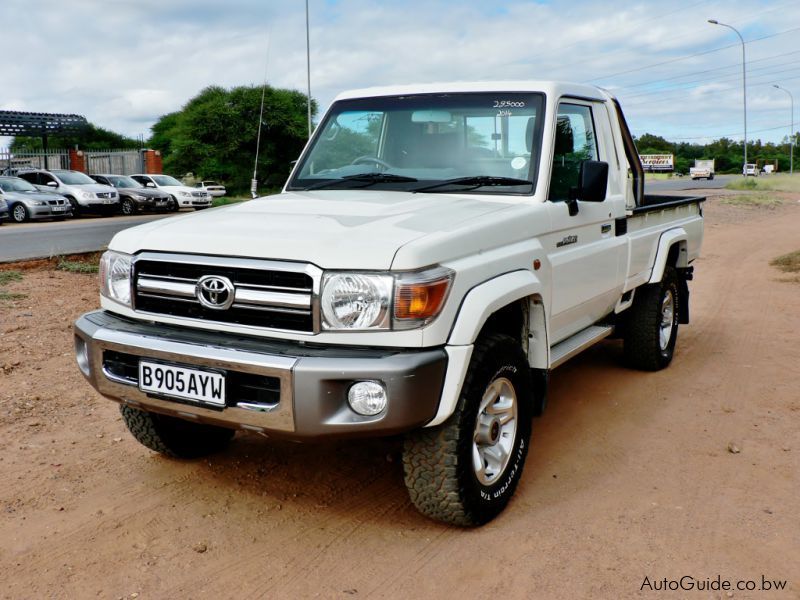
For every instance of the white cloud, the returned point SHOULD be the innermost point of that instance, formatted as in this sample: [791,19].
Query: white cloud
[123,64]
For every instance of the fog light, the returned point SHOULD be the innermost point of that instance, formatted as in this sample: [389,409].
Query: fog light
[82,355]
[367,398]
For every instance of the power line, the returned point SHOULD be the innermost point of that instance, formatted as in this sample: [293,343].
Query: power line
[725,135]
[680,58]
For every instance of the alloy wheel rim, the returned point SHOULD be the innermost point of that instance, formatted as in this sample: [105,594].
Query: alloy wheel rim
[495,431]
[667,320]
[19,213]
[126,207]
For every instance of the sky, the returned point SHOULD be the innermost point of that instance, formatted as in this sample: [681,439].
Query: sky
[124,63]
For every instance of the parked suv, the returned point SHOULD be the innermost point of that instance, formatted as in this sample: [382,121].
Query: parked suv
[25,202]
[182,195]
[83,193]
[133,196]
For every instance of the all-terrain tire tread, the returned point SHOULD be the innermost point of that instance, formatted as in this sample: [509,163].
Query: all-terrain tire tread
[641,348]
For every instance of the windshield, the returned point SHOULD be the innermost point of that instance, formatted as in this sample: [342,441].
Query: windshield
[409,142]
[16,185]
[165,180]
[73,177]
[119,181]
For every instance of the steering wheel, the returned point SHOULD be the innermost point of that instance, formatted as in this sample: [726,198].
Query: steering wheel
[371,159]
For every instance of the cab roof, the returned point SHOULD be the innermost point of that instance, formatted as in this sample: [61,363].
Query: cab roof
[550,88]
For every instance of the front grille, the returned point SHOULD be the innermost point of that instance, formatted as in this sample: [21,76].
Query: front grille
[266,294]
[199,194]
[105,194]
[56,202]
[241,387]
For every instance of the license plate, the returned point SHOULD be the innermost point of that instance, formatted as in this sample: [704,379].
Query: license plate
[179,382]
[57,208]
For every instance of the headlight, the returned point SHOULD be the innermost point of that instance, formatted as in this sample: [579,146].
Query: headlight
[86,195]
[39,203]
[370,301]
[356,301]
[187,194]
[115,277]
[140,198]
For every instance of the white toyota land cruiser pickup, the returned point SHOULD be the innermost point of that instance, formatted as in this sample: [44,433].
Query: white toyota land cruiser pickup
[436,252]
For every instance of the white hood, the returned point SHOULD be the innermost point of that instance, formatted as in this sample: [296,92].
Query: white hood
[332,229]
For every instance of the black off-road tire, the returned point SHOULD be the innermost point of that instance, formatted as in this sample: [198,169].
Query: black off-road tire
[642,346]
[437,462]
[175,437]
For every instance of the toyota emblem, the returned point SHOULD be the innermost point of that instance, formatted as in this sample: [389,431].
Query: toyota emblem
[214,291]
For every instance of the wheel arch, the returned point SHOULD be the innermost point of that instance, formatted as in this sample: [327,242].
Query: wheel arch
[672,251]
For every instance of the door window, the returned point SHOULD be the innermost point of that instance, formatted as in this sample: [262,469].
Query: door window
[575,142]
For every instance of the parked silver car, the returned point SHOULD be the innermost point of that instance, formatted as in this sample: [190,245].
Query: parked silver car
[3,209]
[83,193]
[25,202]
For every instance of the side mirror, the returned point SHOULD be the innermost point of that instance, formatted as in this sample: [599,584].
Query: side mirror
[52,184]
[150,184]
[592,184]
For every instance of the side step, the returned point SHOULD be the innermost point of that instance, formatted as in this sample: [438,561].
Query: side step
[563,351]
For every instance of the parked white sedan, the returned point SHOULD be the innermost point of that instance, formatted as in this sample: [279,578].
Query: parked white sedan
[182,195]
[217,190]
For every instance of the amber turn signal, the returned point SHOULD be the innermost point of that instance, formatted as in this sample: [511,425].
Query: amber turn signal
[420,300]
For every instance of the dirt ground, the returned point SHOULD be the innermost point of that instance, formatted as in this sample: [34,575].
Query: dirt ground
[692,471]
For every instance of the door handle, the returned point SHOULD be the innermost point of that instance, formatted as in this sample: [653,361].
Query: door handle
[605,228]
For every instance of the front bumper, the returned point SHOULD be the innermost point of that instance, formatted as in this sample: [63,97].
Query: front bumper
[310,383]
[47,212]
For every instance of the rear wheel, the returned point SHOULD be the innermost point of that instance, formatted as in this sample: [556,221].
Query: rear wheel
[465,471]
[19,214]
[173,205]
[175,437]
[652,327]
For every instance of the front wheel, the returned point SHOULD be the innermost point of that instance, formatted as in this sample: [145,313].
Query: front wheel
[173,205]
[652,327]
[19,214]
[128,207]
[465,471]
[76,208]
[174,437]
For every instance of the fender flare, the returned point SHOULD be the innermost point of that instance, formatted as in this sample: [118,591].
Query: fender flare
[484,300]
[665,243]
[478,305]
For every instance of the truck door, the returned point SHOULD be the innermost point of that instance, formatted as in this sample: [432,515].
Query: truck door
[586,256]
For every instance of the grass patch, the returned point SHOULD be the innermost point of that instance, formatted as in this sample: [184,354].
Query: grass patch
[782,182]
[9,276]
[225,200]
[10,297]
[788,263]
[754,199]
[76,266]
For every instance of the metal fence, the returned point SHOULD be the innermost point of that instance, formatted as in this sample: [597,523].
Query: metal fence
[118,162]
[52,159]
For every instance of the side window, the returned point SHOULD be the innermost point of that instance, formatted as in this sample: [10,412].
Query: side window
[29,177]
[44,179]
[575,142]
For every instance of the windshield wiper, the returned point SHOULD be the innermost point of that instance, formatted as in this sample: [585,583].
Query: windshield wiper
[367,178]
[474,181]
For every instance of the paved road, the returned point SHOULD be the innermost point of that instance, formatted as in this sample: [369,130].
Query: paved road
[42,240]
[685,183]
[46,239]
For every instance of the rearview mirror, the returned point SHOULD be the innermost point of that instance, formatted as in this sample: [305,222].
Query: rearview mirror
[431,116]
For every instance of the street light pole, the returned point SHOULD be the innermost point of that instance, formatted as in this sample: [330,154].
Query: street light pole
[744,87]
[308,70]
[791,130]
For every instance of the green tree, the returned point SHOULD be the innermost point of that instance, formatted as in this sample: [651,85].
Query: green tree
[214,135]
[91,138]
